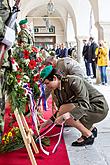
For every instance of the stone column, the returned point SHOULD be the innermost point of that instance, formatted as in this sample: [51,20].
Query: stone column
[79,41]
[100,31]
[103,31]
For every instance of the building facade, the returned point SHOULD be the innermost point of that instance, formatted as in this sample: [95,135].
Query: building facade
[68,21]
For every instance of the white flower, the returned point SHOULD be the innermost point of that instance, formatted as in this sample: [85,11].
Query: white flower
[26,78]
[26,61]
[15,66]
[20,83]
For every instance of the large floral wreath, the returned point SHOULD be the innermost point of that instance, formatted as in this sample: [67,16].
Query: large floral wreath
[26,62]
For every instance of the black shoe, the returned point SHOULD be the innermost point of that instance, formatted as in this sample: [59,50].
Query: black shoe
[87,141]
[94,131]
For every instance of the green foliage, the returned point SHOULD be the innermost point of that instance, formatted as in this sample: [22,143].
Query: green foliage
[26,66]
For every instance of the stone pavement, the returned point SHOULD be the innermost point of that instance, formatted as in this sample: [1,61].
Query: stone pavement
[99,152]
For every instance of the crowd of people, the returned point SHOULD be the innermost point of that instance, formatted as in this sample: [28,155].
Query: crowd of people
[96,57]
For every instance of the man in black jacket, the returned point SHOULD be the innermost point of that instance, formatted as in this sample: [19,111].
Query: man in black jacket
[87,58]
[92,49]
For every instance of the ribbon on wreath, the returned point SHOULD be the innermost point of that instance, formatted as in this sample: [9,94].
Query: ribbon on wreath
[47,131]
[32,103]
[42,97]
[32,107]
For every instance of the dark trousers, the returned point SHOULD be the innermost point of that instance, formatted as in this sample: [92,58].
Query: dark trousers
[94,68]
[88,70]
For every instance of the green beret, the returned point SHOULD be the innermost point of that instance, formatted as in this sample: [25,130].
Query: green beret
[24,21]
[45,72]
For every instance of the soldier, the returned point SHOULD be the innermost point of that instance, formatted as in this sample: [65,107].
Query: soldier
[83,104]
[24,36]
[4,14]
[67,66]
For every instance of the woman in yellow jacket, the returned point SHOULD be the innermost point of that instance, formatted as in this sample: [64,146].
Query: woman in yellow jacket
[102,61]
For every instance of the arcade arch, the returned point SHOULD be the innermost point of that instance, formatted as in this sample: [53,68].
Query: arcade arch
[78,11]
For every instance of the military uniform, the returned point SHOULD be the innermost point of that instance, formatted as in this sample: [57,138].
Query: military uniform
[67,66]
[4,14]
[91,106]
[24,36]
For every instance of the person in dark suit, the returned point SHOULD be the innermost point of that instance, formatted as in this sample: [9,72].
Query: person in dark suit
[63,52]
[92,49]
[87,58]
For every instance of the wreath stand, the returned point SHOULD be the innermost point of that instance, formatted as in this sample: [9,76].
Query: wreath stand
[26,133]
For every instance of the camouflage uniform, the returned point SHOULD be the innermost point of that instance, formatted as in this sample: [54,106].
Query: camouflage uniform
[24,37]
[4,14]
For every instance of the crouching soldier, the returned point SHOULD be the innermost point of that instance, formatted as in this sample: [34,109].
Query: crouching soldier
[84,104]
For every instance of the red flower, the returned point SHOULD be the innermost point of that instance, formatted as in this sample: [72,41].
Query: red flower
[20,69]
[34,49]
[12,60]
[29,85]
[18,81]
[13,116]
[18,76]
[39,59]
[36,78]
[26,54]
[32,64]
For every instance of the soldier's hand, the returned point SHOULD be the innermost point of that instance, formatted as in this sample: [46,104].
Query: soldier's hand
[59,120]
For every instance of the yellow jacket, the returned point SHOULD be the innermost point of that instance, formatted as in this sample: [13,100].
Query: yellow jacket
[102,56]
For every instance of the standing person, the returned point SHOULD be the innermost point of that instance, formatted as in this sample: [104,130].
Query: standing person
[4,14]
[70,50]
[76,98]
[57,50]
[63,52]
[87,58]
[24,36]
[92,49]
[102,61]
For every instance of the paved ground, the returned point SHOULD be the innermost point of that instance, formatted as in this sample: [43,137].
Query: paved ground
[99,152]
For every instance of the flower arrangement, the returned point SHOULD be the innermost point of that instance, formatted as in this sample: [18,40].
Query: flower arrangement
[26,65]
[11,141]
